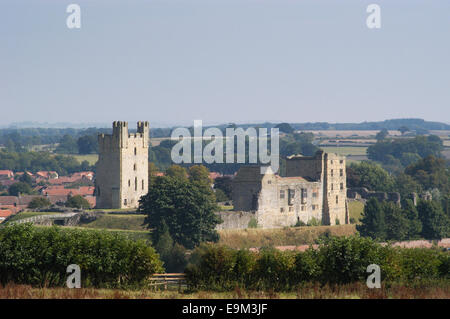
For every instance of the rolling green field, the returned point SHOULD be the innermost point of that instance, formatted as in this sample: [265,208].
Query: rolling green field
[91,158]
[118,222]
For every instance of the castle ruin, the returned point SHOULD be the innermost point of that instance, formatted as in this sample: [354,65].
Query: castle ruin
[314,188]
[122,167]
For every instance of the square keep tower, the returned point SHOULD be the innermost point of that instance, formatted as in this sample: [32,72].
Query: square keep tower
[122,167]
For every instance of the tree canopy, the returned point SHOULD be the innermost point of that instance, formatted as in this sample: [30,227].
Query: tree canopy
[184,207]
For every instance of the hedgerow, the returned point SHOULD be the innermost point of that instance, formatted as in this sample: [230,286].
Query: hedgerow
[338,260]
[40,256]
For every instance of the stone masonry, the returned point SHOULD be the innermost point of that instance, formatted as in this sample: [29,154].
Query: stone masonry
[314,187]
[122,168]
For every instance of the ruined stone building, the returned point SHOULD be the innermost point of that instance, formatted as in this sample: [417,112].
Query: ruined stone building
[122,167]
[314,187]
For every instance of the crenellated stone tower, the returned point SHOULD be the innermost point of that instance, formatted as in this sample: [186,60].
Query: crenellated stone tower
[329,169]
[122,167]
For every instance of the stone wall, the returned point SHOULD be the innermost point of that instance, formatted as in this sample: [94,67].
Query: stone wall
[315,187]
[235,219]
[335,190]
[364,193]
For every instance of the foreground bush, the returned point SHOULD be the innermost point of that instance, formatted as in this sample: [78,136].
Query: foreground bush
[337,261]
[40,256]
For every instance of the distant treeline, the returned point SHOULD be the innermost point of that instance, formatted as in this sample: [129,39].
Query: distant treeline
[41,161]
[395,124]
[39,136]
[23,139]
[295,143]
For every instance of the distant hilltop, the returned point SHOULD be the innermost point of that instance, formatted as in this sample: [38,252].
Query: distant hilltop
[392,124]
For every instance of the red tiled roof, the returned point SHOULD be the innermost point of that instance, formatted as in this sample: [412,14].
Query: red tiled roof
[7,182]
[9,200]
[47,174]
[88,174]
[64,180]
[6,172]
[21,173]
[5,213]
[91,199]
[54,199]
[26,199]
[58,190]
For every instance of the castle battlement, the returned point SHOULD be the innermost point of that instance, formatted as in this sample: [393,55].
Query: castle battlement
[314,187]
[122,168]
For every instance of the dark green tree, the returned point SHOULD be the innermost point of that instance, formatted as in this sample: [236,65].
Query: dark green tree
[403,129]
[186,209]
[78,201]
[26,178]
[68,145]
[177,172]
[397,225]
[87,144]
[224,183]
[381,135]
[431,172]
[199,174]
[406,184]
[373,221]
[220,195]
[285,128]
[415,225]
[19,188]
[371,176]
[435,223]
[39,202]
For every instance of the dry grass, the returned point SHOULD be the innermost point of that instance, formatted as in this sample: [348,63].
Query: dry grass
[308,291]
[254,237]
[355,209]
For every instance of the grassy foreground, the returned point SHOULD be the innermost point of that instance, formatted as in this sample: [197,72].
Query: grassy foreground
[351,291]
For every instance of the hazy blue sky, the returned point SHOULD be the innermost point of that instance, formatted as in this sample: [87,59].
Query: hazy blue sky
[170,62]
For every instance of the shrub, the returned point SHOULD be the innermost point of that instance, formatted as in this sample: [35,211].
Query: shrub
[274,269]
[307,268]
[421,263]
[299,223]
[253,223]
[338,260]
[314,222]
[40,256]
[78,201]
[39,202]
[213,270]
[345,259]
